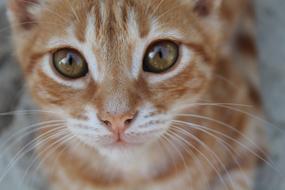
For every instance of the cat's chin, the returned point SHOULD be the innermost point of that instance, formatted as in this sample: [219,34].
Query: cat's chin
[120,150]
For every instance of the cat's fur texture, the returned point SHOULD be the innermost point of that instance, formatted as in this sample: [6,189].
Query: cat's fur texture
[192,130]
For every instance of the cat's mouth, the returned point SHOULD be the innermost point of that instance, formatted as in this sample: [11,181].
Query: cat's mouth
[121,141]
[126,141]
[122,145]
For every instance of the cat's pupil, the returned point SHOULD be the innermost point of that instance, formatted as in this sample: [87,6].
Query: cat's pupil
[160,54]
[69,59]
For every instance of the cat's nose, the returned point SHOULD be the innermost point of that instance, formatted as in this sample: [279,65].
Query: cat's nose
[118,124]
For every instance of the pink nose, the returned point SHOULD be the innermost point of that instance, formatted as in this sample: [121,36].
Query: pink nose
[117,124]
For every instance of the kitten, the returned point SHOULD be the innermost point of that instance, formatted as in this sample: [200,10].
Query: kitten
[144,95]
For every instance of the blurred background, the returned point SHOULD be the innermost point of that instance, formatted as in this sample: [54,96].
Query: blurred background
[271,44]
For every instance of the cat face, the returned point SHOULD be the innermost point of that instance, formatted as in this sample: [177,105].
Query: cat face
[117,72]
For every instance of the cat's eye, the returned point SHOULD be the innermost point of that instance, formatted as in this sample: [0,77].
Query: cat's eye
[70,63]
[160,56]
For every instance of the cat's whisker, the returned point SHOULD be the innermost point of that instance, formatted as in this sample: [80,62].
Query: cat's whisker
[165,142]
[227,106]
[221,141]
[260,119]
[203,155]
[216,157]
[188,151]
[29,147]
[208,131]
[51,148]
[27,112]
[27,131]
[64,139]
[178,151]
[231,150]
[225,125]
[214,104]
[65,148]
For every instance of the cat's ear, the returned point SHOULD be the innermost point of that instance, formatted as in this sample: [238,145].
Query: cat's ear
[206,7]
[23,13]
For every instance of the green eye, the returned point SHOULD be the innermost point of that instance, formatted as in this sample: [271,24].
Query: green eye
[160,56]
[70,63]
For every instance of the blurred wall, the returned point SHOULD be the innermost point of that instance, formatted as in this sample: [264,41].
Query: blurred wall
[271,41]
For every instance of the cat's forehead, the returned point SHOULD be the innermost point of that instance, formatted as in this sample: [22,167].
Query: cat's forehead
[114,21]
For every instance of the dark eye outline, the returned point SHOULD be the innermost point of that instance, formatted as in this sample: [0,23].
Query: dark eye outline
[55,69]
[156,42]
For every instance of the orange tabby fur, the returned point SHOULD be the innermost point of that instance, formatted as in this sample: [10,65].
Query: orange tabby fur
[211,80]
